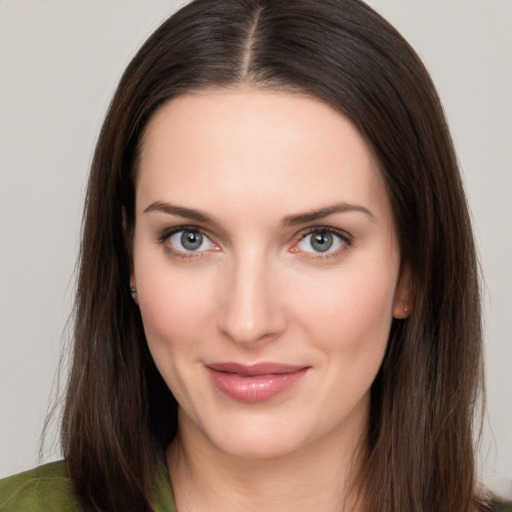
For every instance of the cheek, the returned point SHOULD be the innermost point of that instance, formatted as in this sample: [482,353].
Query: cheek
[348,322]
[177,313]
[174,307]
[352,312]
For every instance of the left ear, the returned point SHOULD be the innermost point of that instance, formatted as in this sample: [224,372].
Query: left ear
[403,301]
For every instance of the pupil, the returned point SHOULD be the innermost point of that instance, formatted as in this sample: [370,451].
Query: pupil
[322,242]
[191,240]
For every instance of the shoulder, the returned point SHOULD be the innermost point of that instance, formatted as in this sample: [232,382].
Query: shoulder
[495,505]
[502,506]
[41,489]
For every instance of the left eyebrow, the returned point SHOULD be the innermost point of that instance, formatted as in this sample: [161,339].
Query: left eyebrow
[320,213]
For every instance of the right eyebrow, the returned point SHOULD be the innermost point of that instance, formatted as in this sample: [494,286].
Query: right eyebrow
[181,211]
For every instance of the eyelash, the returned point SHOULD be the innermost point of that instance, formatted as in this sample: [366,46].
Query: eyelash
[344,237]
[166,234]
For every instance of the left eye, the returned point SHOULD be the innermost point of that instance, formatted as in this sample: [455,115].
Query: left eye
[321,241]
[190,240]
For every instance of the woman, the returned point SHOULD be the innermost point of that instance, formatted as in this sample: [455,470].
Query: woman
[277,278]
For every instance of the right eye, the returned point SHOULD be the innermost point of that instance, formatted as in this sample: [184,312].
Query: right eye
[185,241]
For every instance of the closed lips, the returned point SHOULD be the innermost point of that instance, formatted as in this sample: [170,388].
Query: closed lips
[254,383]
[255,369]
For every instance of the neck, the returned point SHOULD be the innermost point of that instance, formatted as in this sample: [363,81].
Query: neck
[316,477]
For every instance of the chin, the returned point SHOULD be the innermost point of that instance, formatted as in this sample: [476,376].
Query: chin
[258,448]
[249,436]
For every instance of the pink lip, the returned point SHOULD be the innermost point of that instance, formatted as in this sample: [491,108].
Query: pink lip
[254,383]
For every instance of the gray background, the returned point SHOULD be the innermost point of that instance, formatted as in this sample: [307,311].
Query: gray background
[59,64]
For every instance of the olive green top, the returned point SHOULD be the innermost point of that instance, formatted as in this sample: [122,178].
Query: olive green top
[48,489]
[502,506]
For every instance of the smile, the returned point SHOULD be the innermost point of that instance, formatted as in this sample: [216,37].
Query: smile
[254,383]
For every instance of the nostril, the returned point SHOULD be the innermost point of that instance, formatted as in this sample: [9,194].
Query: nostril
[246,325]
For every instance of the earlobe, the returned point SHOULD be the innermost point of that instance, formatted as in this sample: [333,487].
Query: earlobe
[133,292]
[133,286]
[403,301]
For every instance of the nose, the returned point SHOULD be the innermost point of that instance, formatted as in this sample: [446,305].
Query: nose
[252,310]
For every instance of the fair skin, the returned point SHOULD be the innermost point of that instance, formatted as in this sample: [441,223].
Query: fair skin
[230,268]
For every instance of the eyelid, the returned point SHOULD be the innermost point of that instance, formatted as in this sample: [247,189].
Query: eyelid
[167,233]
[164,234]
[345,238]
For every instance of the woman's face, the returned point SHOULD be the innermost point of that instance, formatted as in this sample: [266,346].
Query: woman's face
[266,266]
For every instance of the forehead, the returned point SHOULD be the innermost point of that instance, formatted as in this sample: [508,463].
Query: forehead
[254,146]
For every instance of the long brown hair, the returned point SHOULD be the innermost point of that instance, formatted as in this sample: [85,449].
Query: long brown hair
[120,415]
